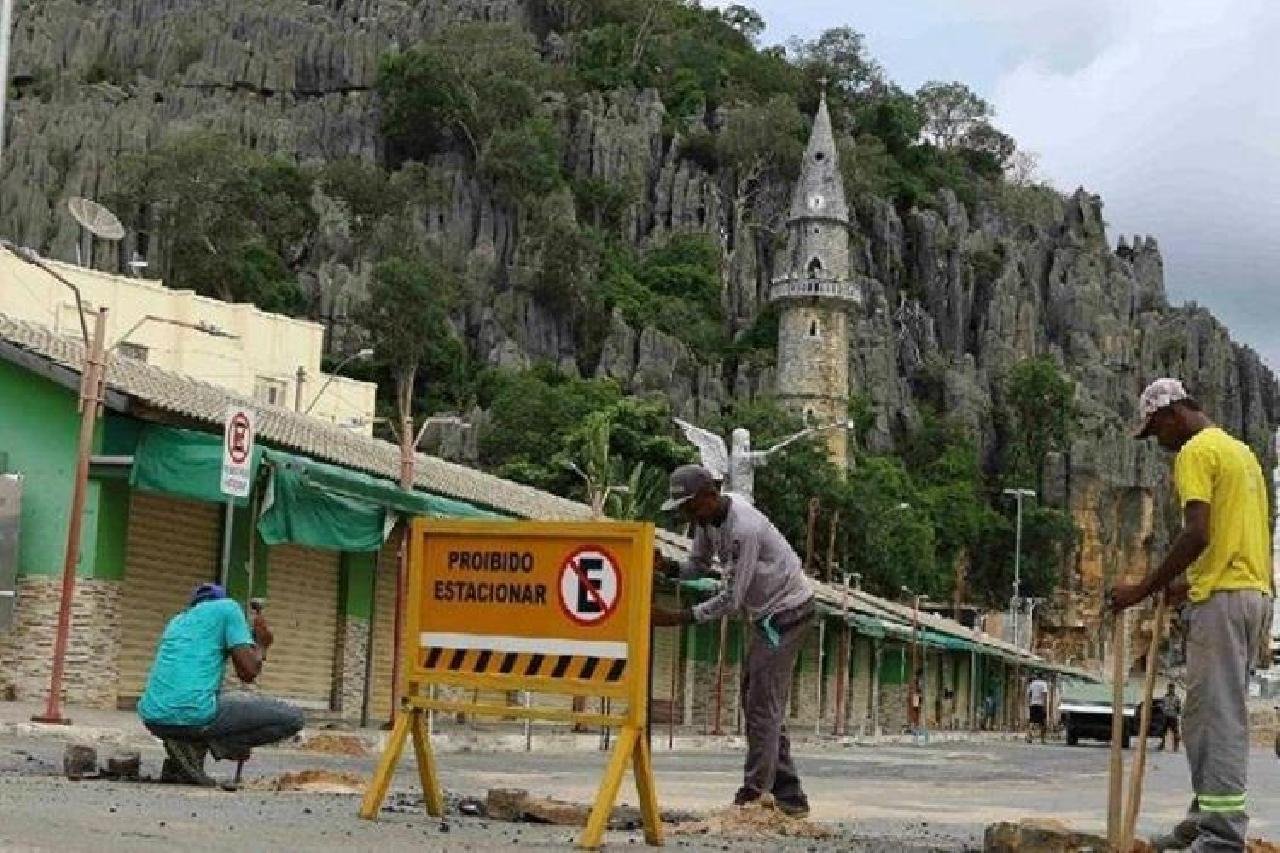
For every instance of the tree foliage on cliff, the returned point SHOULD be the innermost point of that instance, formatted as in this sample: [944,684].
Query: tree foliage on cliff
[231,223]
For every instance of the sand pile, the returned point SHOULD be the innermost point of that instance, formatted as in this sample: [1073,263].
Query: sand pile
[756,822]
[331,744]
[312,782]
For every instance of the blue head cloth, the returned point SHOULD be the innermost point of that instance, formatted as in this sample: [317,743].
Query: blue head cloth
[207,592]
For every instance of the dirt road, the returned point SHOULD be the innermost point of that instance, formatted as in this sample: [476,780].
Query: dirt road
[882,798]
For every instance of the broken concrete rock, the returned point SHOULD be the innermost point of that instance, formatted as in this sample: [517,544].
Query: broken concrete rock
[79,761]
[125,765]
[1044,835]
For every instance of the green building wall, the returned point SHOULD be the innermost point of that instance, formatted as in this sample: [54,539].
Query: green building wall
[39,430]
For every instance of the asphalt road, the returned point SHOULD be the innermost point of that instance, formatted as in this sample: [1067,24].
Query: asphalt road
[876,798]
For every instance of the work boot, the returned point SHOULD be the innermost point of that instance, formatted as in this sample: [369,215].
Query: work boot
[746,796]
[188,760]
[797,807]
[1182,837]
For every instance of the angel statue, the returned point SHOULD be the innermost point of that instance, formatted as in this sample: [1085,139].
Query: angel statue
[735,468]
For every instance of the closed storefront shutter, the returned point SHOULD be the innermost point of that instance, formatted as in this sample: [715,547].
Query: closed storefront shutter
[302,609]
[172,546]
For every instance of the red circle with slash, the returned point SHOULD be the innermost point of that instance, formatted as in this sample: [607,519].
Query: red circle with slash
[590,586]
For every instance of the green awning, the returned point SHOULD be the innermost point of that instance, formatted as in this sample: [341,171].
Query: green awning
[306,502]
[324,506]
[183,463]
[868,626]
[946,641]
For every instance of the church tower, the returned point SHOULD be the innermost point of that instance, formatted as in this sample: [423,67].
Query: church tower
[814,293]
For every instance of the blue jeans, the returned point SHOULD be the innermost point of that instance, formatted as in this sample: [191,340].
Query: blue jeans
[242,722]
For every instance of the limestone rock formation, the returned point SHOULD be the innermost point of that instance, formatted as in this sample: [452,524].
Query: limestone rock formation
[959,294]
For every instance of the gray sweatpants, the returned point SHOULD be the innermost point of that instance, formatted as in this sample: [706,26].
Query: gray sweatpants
[766,693]
[1222,643]
[243,721]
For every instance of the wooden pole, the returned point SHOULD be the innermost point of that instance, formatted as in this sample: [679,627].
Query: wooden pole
[1115,786]
[1144,723]
[831,546]
[408,460]
[91,376]
[809,535]
[719,703]
[676,651]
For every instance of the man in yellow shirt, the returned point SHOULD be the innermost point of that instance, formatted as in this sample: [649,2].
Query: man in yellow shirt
[1225,550]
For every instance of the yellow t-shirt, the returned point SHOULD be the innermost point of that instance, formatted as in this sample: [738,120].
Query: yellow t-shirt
[1218,470]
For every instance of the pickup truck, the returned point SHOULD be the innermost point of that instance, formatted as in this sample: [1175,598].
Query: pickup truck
[1086,709]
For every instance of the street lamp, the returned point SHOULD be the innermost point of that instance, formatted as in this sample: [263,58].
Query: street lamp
[6,24]
[1018,495]
[367,352]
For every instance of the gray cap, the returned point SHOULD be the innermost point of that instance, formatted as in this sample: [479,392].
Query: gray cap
[686,481]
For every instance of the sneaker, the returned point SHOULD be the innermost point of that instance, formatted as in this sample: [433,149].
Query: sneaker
[188,759]
[797,807]
[746,796]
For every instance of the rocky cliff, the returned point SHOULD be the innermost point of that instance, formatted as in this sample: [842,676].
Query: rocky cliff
[962,293]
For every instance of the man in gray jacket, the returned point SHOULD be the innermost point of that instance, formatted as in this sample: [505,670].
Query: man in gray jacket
[764,582]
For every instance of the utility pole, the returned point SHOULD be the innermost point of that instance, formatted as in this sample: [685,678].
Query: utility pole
[90,398]
[6,26]
[300,382]
[1015,599]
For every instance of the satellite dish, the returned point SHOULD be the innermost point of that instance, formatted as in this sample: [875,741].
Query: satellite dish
[96,219]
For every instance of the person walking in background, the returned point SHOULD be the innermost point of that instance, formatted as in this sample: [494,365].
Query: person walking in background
[1038,707]
[1172,712]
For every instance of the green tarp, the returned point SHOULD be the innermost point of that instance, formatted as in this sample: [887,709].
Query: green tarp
[306,502]
[183,463]
[324,506]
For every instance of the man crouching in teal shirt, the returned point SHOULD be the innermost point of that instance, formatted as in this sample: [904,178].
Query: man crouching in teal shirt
[182,704]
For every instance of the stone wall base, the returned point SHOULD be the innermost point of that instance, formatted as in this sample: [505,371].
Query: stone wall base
[26,649]
[353,644]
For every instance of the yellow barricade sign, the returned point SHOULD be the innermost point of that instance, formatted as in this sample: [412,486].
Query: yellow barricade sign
[545,607]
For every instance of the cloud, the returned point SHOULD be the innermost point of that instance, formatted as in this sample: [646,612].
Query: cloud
[1175,122]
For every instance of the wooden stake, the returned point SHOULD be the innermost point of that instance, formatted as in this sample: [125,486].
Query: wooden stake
[1116,778]
[676,651]
[1144,723]
[809,536]
[831,547]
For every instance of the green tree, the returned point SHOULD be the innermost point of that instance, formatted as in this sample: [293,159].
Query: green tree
[744,20]
[1041,409]
[469,81]
[951,111]
[839,56]
[523,162]
[231,223]
[406,316]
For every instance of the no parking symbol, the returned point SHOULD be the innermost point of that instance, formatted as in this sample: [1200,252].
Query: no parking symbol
[590,586]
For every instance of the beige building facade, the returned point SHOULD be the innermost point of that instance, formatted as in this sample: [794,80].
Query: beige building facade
[271,357]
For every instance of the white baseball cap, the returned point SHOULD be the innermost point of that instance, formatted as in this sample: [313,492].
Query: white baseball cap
[1158,395]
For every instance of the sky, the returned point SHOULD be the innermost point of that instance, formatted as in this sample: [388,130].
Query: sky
[1168,109]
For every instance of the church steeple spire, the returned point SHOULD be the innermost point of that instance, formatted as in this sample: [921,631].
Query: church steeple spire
[815,293]
[820,191]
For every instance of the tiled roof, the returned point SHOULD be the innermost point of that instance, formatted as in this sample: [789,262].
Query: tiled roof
[284,428]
